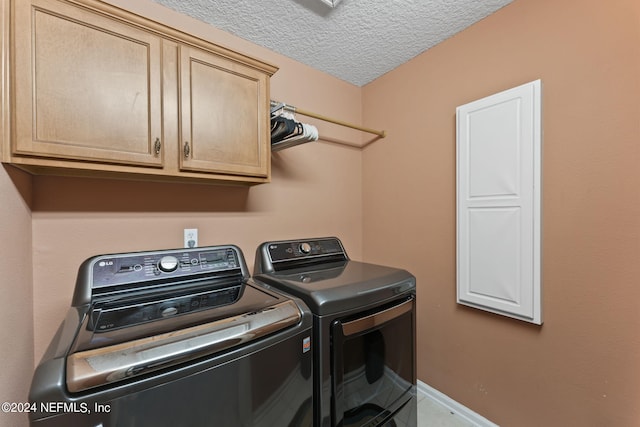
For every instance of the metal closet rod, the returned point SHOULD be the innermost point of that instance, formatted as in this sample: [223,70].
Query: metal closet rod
[297,110]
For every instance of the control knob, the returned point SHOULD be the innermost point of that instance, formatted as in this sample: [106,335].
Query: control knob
[305,248]
[168,263]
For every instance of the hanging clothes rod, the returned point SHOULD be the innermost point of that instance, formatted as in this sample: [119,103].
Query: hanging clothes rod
[291,108]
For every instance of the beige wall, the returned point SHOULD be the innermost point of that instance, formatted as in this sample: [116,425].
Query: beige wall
[582,366]
[16,314]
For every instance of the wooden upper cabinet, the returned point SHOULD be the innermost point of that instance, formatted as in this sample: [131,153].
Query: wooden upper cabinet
[223,115]
[100,91]
[87,87]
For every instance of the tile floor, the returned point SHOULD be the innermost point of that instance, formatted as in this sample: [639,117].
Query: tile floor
[433,414]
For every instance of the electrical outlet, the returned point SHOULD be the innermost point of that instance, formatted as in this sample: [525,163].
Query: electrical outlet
[190,237]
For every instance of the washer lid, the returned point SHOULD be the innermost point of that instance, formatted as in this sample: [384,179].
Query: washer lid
[341,286]
[105,365]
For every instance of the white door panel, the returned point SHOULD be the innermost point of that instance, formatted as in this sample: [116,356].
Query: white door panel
[499,204]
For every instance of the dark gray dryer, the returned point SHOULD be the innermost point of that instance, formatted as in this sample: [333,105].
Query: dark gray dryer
[176,338]
[363,330]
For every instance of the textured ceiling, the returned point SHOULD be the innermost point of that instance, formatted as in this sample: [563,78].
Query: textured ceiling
[357,41]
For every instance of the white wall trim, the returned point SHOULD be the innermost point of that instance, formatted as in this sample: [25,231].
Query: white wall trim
[455,407]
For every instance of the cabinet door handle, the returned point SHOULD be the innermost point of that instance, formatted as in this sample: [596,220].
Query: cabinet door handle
[157,145]
[187,150]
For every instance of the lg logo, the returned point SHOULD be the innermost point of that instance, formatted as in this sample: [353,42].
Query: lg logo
[105,263]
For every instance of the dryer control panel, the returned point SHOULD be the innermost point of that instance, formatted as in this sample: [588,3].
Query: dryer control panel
[282,251]
[291,253]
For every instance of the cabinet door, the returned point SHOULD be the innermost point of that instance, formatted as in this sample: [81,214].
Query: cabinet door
[499,203]
[87,86]
[224,124]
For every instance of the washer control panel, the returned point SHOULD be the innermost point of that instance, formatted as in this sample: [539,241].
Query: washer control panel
[179,264]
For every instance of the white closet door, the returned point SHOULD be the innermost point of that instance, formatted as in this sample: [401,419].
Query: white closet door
[499,203]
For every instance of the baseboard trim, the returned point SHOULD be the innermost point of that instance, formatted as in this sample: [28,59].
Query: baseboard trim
[455,407]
